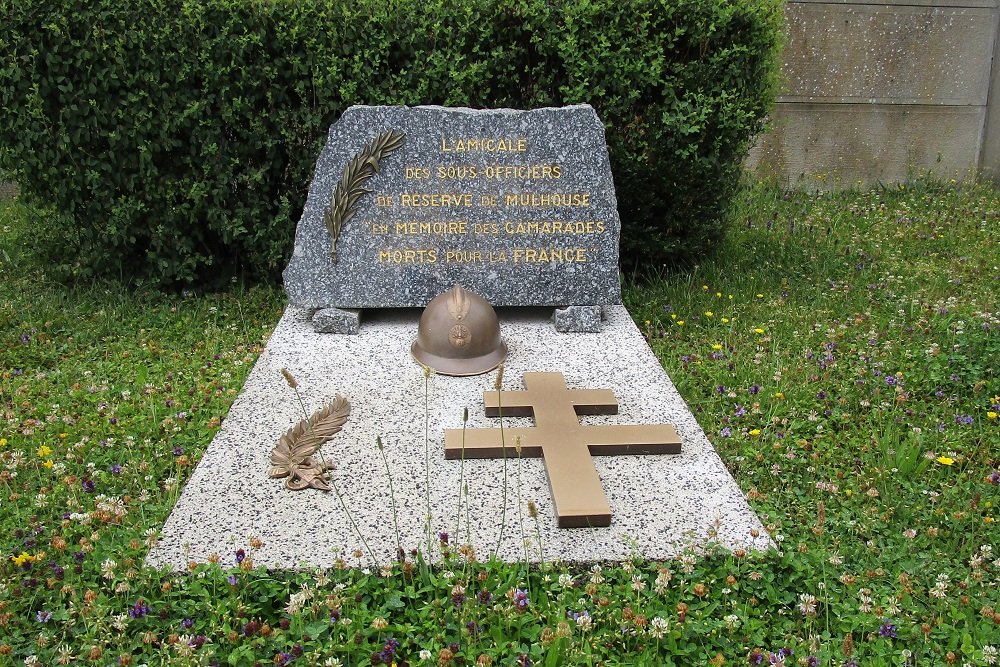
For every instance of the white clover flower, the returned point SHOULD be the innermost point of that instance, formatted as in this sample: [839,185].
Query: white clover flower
[565,580]
[425,654]
[658,627]
[663,581]
[807,604]
[732,620]
[638,584]
[990,655]
[687,563]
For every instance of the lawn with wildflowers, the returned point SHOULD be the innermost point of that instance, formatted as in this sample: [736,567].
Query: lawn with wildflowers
[841,351]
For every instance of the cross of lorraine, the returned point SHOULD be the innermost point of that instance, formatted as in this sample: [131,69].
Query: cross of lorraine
[565,445]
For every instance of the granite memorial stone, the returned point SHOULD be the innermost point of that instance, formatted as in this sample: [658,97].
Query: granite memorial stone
[517,206]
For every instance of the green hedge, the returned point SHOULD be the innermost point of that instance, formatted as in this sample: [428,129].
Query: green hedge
[174,141]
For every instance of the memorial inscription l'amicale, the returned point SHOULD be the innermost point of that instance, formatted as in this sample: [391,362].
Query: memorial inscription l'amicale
[518,206]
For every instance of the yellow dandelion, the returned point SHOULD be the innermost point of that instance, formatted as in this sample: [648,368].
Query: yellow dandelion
[44,451]
[3,442]
[758,330]
[63,436]
[704,288]
[991,415]
[23,558]
[48,463]
[718,295]
[780,395]
[730,297]
[725,320]
[680,323]
[945,460]
[760,296]
[709,313]
[716,346]
[673,316]
[755,432]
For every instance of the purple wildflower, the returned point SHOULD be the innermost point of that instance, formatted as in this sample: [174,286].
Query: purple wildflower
[887,630]
[755,389]
[240,555]
[726,432]
[139,609]
[88,485]
[43,616]
[521,601]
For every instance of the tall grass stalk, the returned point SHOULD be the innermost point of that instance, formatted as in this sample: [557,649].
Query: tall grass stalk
[461,479]
[498,387]
[427,461]
[392,495]
[520,510]
[533,513]
[354,524]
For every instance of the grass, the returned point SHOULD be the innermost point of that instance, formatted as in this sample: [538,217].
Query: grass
[841,351]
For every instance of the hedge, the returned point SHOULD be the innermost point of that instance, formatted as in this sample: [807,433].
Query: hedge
[174,141]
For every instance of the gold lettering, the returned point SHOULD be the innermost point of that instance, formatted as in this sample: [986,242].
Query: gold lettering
[483,145]
[439,227]
[408,256]
[547,200]
[434,200]
[463,256]
[549,255]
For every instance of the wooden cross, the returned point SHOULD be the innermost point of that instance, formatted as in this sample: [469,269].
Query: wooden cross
[565,445]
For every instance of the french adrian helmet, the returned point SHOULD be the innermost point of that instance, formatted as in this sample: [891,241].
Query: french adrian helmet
[459,334]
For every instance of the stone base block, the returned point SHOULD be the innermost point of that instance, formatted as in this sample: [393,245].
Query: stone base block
[578,319]
[337,320]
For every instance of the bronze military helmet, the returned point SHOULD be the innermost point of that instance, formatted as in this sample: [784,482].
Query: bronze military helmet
[459,334]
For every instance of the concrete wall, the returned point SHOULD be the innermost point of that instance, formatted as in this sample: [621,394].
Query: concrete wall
[878,92]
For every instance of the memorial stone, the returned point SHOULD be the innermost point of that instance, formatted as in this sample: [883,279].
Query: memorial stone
[517,206]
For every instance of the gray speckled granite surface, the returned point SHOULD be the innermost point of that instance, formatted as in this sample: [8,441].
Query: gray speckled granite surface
[524,251]
[660,504]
